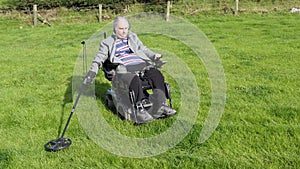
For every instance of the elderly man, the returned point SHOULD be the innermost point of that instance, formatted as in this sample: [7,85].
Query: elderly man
[125,49]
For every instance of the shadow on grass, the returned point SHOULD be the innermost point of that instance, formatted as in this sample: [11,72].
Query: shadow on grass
[99,88]
[5,158]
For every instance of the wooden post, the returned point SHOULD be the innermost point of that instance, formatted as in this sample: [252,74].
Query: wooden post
[100,13]
[168,10]
[236,7]
[34,15]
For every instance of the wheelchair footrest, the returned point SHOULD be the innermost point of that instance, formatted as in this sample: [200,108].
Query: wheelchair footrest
[146,103]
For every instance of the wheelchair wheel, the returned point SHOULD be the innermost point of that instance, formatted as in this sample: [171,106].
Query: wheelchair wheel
[109,103]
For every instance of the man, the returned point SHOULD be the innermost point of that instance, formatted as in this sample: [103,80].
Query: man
[124,49]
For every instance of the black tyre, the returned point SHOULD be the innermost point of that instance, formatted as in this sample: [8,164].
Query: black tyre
[109,103]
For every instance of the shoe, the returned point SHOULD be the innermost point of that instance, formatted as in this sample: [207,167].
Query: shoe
[159,114]
[167,111]
[143,116]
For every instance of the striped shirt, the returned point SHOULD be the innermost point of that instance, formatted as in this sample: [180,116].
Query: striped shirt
[124,53]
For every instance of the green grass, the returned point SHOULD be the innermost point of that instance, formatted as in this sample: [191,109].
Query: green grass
[259,128]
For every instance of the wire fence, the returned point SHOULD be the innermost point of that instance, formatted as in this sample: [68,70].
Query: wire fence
[228,6]
[178,8]
[191,7]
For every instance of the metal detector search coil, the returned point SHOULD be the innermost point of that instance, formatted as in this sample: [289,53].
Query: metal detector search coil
[58,144]
[62,143]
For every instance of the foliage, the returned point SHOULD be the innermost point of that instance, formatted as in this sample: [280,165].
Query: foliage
[46,4]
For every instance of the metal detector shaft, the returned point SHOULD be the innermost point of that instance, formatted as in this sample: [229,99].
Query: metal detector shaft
[74,106]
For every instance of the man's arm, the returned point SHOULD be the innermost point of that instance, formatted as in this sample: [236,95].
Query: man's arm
[98,61]
[101,56]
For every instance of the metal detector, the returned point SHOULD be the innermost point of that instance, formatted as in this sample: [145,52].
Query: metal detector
[62,143]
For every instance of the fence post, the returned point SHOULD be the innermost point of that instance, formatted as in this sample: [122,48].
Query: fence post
[100,13]
[168,10]
[236,7]
[34,15]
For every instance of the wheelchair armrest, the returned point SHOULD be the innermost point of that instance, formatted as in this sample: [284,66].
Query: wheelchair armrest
[108,69]
[108,66]
[109,74]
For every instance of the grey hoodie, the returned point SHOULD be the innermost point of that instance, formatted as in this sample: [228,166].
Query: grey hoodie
[108,47]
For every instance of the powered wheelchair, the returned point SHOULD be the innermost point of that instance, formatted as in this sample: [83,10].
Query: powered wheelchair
[123,102]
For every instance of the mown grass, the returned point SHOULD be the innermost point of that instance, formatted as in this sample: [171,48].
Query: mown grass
[259,128]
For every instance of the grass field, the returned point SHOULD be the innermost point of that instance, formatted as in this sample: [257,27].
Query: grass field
[259,127]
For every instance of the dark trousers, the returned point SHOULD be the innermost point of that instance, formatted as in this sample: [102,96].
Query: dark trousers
[155,79]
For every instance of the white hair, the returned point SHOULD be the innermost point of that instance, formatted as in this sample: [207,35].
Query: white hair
[116,21]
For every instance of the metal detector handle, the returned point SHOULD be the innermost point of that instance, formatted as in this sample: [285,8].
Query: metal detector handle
[84,57]
[84,54]
[74,106]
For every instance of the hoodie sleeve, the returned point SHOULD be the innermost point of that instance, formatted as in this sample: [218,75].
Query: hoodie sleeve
[100,57]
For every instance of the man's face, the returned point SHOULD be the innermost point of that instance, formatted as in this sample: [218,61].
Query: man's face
[122,28]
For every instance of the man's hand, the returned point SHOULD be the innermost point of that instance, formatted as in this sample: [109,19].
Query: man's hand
[157,56]
[90,77]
